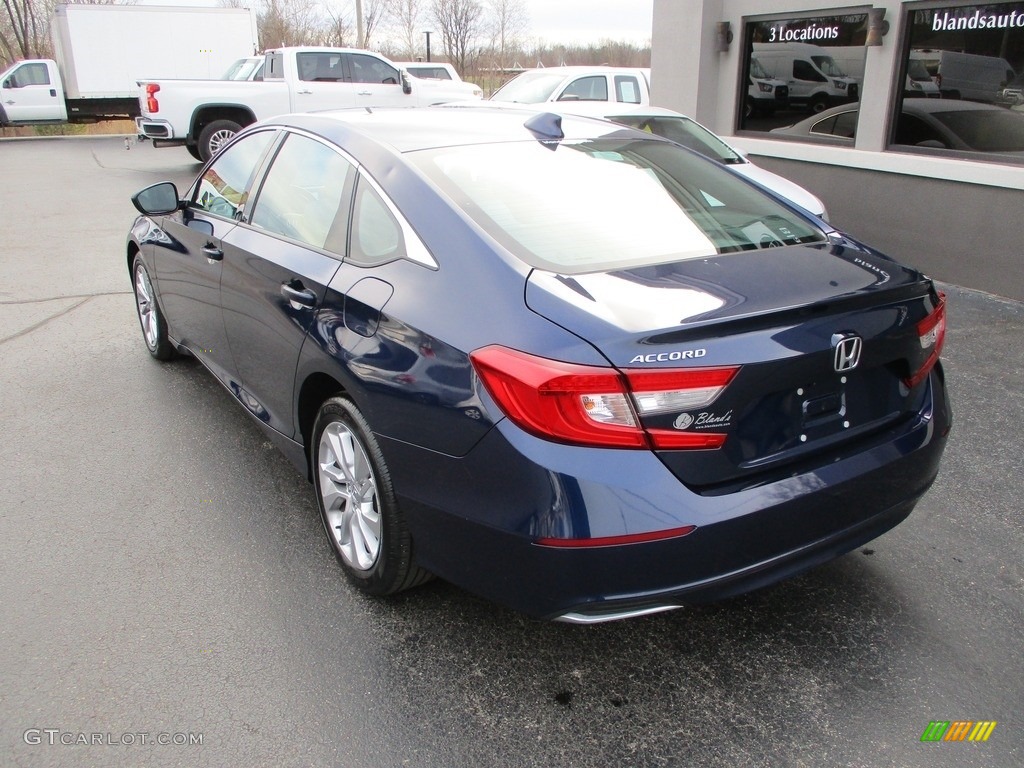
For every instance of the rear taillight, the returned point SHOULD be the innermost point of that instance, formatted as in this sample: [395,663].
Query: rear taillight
[931,333]
[152,105]
[590,405]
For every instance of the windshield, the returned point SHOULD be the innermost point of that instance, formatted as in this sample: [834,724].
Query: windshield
[529,87]
[996,130]
[683,130]
[756,70]
[551,205]
[917,71]
[828,65]
[242,69]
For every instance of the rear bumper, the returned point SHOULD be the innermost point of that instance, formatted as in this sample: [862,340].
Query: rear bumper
[158,130]
[482,535]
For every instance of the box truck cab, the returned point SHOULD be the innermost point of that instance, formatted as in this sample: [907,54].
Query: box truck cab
[814,78]
[966,76]
[32,92]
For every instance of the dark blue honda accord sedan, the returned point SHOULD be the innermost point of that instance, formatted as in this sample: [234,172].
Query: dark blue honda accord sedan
[569,366]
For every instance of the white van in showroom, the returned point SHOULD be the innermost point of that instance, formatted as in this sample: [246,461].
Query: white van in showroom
[966,76]
[812,75]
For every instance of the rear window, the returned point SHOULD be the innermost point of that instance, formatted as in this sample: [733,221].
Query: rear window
[610,204]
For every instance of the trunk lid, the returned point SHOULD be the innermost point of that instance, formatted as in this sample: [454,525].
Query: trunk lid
[790,318]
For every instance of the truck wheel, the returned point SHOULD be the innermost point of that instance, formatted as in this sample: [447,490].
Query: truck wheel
[194,151]
[819,104]
[216,135]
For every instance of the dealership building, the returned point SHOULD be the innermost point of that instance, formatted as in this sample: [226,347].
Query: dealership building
[906,118]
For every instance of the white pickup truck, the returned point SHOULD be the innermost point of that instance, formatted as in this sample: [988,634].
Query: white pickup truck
[623,85]
[202,115]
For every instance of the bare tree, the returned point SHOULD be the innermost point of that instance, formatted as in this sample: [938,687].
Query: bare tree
[408,17]
[337,30]
[509,22]
[289,22]
[460,23]
[24,30]
[374,12]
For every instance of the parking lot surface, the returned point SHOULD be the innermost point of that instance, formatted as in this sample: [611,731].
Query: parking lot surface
[164,577]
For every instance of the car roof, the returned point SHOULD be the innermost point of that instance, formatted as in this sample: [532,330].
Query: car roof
[576,69]
[408,129]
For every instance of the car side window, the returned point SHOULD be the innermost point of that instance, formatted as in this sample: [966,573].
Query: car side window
[844,125]
[223,189]
[274,67]
[627,89]
[30,74]
[376,234]
[305,195]
[370,69]
[912,130]
[325,67]
[594,88]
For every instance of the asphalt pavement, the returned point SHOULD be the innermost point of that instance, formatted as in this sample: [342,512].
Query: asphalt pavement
[168,598]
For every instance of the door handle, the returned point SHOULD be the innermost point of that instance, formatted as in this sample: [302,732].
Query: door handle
[298,296]
[366,93]
[305,92]
[212,252]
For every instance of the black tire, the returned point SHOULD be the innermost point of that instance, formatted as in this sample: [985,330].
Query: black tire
[214,136]
[151,318]
[357,502]
[194,151]
[819,104]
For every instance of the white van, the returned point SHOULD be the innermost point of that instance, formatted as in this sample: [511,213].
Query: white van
[966,76]
[765,94]
[812,75]
[918,82]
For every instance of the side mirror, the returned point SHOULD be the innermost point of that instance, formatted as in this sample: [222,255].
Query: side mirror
[406,83]
[8,83]
[157,200]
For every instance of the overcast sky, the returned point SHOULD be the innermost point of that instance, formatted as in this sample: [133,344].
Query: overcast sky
[557,21]
[586,21]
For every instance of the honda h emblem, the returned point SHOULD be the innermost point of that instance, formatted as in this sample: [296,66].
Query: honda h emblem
[847,352]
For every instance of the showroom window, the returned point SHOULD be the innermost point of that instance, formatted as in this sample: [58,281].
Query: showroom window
[795,68]
[963,80]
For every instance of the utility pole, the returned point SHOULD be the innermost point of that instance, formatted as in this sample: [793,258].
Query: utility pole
[428,45]
[360,38]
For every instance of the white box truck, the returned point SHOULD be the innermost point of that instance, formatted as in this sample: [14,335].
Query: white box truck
[102,51]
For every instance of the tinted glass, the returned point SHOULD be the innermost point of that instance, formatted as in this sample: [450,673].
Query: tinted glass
[551,207]
[224,187]
[986,130]
[801,65]
[303,195]
[323,67]
[529,87]
[29,74]
[586,89]
[683,130]
[627,89]
[376,235]
[370,69]
[965,55]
